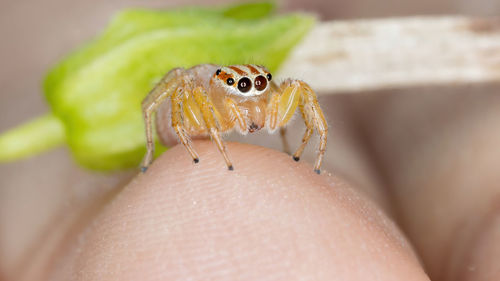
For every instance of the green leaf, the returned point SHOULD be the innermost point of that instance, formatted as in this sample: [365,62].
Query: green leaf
[96,92]
[249,10]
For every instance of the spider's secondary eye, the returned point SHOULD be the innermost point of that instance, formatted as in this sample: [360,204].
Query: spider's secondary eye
[269,76]
[260,83]
[217,72]
[244,85]
[230,81]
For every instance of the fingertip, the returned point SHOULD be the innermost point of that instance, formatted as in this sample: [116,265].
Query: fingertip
[267,217]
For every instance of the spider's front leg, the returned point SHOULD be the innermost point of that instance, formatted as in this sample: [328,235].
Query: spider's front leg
[290,95]
[185,108]
[150,104]
[212,125]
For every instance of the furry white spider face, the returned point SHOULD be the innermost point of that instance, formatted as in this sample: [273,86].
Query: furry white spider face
[247,80]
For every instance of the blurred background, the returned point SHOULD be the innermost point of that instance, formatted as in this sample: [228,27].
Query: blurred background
[37,34]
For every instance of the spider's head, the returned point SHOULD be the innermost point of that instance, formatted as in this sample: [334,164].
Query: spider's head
[243,80]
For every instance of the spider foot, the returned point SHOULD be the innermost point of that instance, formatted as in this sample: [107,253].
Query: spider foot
[317,171]
[144,169]
[230,168]
[196,160]
[296,158]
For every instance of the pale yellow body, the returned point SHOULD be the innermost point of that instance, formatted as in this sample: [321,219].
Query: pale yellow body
[207,100]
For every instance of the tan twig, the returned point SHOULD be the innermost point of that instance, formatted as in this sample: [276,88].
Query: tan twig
[360,55]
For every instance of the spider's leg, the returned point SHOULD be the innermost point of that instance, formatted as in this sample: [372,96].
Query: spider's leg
[311,111]
[209,116]
[282,105]
[307,135]
[150,104]
[286,146]
[295,93]
[182,102]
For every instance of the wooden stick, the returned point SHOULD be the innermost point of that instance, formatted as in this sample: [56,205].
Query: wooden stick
[360,55]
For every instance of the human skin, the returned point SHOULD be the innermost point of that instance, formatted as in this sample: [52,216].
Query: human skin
[269,219]
[437,148]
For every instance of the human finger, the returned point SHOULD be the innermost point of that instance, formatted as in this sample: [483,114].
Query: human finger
[269,219]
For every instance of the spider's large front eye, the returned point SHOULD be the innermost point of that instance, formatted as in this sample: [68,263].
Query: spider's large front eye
[260,83]
[244,85]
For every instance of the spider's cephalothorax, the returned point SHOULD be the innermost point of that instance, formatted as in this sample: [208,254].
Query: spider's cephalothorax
[208,99]
[248,87]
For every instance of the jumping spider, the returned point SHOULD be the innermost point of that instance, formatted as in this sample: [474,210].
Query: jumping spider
[207,100]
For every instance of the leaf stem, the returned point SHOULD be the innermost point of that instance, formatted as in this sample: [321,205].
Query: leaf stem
[42,133]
